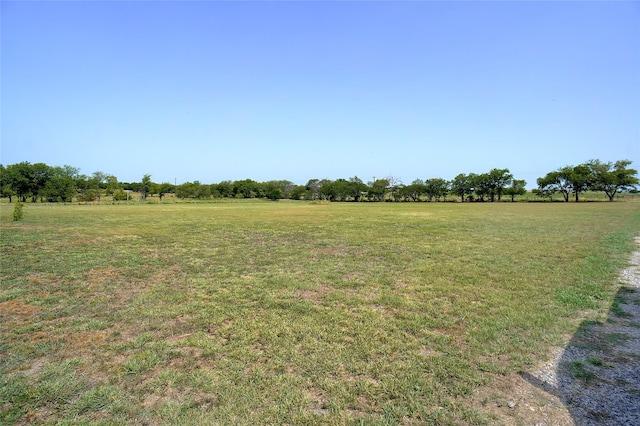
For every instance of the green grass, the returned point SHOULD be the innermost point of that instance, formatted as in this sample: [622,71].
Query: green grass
[291,312]
[579,371]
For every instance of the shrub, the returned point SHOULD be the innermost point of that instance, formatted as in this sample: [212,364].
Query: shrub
[17,211]
[120,195]
[88,196]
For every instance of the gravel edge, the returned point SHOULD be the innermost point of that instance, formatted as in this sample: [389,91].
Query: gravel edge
[597,375]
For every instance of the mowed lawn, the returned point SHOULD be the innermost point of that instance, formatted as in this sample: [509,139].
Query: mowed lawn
[291,312]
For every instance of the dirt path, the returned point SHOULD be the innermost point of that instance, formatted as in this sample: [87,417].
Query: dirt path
[594,380]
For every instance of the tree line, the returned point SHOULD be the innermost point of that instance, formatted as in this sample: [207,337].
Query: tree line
[44,183]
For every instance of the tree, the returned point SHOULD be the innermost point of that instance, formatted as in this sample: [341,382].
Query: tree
[186,190]
[580,179]
[313,189]
[546,192]
[26,179]
[356,188]
[517,188]
[97,183]
[566,180]
[192,190]
[86,188]
[378,189]
[224,188]
[341,189]
[394,187]
[40,174]
[327,190]
[6,191]
[492,184]
[111,184]
[612,178]
[483,186]
[556,181]
[20,179]
[413,191]
[6,181]
[165,188]
[247,188]
[273,191]
[279,188]
[462,185]
[499,179]
[202,191]
[297,192]
[436,188]
[62,185]
[145,186]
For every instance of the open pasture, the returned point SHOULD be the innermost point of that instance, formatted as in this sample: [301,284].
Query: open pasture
[291,312]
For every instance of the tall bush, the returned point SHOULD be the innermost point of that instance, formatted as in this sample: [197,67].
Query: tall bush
[18,212]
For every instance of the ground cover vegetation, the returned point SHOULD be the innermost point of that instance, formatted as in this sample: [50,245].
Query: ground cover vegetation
[291,312]
[65,184]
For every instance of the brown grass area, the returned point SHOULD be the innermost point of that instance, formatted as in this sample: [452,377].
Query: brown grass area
[15,310]
[85,341]
[315,296]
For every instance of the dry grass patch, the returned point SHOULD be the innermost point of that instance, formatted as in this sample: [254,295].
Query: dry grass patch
[17,311]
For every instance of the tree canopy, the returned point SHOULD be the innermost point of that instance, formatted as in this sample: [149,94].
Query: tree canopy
[594,175]
[63,184]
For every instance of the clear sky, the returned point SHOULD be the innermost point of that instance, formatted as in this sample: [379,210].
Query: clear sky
[214,91]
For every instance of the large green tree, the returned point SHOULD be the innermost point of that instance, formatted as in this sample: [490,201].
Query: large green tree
[327,190]
[224,188]
[414,191]
[436,188]
[378,189]
[580,179]
[62,184]
[500,179]
[556,181]
[277,189]
[145,186]
[86,188]
[357,188]
[482,186]
[6,183]
[111,184]
[518,187]
[27,180]
[492,184]
[297,192]
[190,190]
[273,191]
[612,177]
[463,185]
[247,188]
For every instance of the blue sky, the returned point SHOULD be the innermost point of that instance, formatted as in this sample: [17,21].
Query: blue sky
[211,91]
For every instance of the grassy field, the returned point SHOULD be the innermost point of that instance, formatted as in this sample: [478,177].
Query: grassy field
[291,312]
